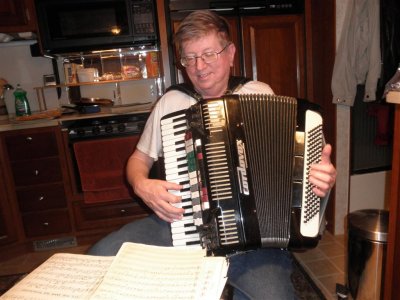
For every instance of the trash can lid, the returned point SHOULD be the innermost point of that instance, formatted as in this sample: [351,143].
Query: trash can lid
[371,224]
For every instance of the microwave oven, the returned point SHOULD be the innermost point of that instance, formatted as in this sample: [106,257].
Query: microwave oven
[67,26]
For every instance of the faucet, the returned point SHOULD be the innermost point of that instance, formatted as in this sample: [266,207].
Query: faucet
[5,87]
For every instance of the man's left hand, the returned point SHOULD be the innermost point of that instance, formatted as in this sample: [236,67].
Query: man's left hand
[323,174]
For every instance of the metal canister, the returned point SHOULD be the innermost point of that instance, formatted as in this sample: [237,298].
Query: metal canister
[367,243]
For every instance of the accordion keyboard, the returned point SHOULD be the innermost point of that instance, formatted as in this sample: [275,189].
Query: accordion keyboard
[184,232]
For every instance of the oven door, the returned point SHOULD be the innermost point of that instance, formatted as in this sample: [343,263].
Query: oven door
[101,168]
[98,150]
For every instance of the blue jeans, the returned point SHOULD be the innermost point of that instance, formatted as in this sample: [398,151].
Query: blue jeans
[259,274]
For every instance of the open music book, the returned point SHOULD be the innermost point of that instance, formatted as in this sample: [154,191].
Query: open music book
[137,272]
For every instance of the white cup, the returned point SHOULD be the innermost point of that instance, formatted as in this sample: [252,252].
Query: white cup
[88,74]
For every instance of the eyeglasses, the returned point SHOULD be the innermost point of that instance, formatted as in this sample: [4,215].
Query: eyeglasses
[207,57]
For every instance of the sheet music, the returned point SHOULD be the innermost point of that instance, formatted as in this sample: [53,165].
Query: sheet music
[137,272]
[62,276]
[163,273]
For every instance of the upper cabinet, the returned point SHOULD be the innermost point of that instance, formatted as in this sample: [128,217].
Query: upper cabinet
[273,52]
[270,47]
[17,16]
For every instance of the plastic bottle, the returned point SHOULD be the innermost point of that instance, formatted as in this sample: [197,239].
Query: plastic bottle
[152,64]
[22,107]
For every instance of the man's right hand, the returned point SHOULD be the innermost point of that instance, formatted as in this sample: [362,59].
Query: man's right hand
[155,194]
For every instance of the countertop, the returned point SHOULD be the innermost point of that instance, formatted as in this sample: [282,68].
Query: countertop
[11,124]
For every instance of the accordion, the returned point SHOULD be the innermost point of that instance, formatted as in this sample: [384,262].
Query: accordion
[243,162]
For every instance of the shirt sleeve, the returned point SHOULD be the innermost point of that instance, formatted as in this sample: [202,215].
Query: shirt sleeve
[150,141]
[255,87]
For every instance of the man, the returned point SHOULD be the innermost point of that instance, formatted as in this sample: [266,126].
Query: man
[206,51]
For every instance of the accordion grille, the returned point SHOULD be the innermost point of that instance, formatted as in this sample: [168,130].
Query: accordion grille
[270,127]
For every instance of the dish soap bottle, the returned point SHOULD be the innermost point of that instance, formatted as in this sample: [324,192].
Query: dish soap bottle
[21,102]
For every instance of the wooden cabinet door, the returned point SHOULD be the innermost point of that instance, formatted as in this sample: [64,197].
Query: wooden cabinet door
[17,16]
[392,275]
[273,49]
[234,28]
[8,232]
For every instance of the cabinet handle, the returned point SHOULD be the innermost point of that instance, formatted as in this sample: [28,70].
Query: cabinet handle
[41,198]
[29,139]
[123,211]
[36,172]
[45,224]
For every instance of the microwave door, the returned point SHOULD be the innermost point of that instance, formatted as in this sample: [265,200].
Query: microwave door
[68,26]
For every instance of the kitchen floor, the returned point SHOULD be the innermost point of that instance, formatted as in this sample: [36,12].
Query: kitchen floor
[27,262]
[325,264]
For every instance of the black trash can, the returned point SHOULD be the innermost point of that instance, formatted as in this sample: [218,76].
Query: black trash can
[367,243]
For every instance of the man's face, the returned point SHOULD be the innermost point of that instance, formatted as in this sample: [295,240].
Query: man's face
[210,80]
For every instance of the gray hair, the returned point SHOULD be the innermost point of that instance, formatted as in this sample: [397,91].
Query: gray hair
[199,24]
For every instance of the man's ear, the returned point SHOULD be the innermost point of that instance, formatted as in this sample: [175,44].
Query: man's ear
[231,51]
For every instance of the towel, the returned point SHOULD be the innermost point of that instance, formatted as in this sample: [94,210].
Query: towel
[101,165]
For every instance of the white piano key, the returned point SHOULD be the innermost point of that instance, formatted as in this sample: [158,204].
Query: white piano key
[188,211]
[177,164]
[173,137]
[175,177]
[176,170]
[173,131]
[180,181]
[181,153]
[184,242]
[181,193]
[185,236]
[170,125]
[182,205]
[177,230]
[181,223]
[173,119]
[174,141]
[175,159]
[173,147]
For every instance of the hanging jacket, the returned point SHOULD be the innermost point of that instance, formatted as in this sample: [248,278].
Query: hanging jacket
[358,57]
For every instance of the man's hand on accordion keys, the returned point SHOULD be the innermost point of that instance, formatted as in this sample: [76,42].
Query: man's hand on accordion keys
[159,196]
[154,193]
[323,174]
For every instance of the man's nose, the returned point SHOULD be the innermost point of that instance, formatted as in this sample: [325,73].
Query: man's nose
[200,64]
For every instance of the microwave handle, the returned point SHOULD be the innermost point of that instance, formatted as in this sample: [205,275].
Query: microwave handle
[56,76]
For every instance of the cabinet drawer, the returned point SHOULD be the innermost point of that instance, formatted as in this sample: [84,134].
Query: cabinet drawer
[106,216]
[32,145]
[46,223]
[37,171]
[41,197]
[110,211]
